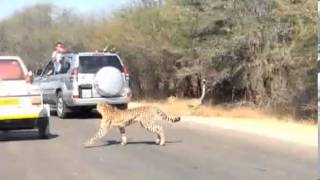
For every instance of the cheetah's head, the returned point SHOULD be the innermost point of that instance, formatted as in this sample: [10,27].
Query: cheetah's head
[103,107]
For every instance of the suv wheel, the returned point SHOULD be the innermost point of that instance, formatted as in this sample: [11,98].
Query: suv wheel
[61,107]
[43,128]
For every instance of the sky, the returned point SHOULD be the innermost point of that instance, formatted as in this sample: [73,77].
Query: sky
[8,7]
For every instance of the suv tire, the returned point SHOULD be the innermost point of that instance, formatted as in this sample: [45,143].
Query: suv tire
[43,128]
[111,86]
[61,107]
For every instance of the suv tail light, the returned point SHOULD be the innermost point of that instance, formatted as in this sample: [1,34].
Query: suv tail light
[74,74]
[75,97]
[126,72]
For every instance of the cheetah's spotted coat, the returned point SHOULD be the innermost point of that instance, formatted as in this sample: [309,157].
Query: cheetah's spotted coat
[146,116]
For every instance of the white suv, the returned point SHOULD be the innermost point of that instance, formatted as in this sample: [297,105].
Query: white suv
[83,80]
[21,105]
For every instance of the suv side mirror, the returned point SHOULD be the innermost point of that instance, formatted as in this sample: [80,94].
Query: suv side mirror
[39,71]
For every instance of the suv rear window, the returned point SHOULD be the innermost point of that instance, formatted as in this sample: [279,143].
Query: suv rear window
[91,64]
[10,70]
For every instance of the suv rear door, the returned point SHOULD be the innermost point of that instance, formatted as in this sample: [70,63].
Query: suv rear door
[89,65]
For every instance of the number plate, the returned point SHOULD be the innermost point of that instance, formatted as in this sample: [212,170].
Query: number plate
[86,93]
[9,101]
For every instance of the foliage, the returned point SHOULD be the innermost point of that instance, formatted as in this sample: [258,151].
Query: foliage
[258,51]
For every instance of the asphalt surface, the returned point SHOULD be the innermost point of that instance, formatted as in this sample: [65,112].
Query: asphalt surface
[192,152]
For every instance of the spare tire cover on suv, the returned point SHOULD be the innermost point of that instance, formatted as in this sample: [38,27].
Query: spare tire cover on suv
[108,81]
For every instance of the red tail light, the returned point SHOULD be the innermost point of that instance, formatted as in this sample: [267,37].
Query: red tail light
[75,97]
[74,74]
[125,70]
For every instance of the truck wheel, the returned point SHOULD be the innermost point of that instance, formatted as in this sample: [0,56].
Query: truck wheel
[43,128]
[61,107]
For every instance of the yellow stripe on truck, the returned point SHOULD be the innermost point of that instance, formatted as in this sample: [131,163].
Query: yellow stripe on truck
[9,101]
[22,117]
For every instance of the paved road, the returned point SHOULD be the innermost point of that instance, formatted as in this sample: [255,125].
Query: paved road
[192,152]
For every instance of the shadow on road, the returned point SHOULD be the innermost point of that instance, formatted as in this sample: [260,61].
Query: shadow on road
[23,136]
[113,142]
[82,116]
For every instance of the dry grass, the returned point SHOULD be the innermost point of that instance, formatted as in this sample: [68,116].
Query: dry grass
[237,112]
[243,119]
[180,107]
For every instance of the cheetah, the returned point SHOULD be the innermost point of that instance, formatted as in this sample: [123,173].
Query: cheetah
[146,116]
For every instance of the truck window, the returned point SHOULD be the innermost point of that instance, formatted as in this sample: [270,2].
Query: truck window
[65,65]
[10,70]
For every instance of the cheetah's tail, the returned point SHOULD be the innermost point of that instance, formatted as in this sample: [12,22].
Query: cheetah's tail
[168,118]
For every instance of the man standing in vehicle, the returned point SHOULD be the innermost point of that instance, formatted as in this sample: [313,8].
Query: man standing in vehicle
[57,55]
